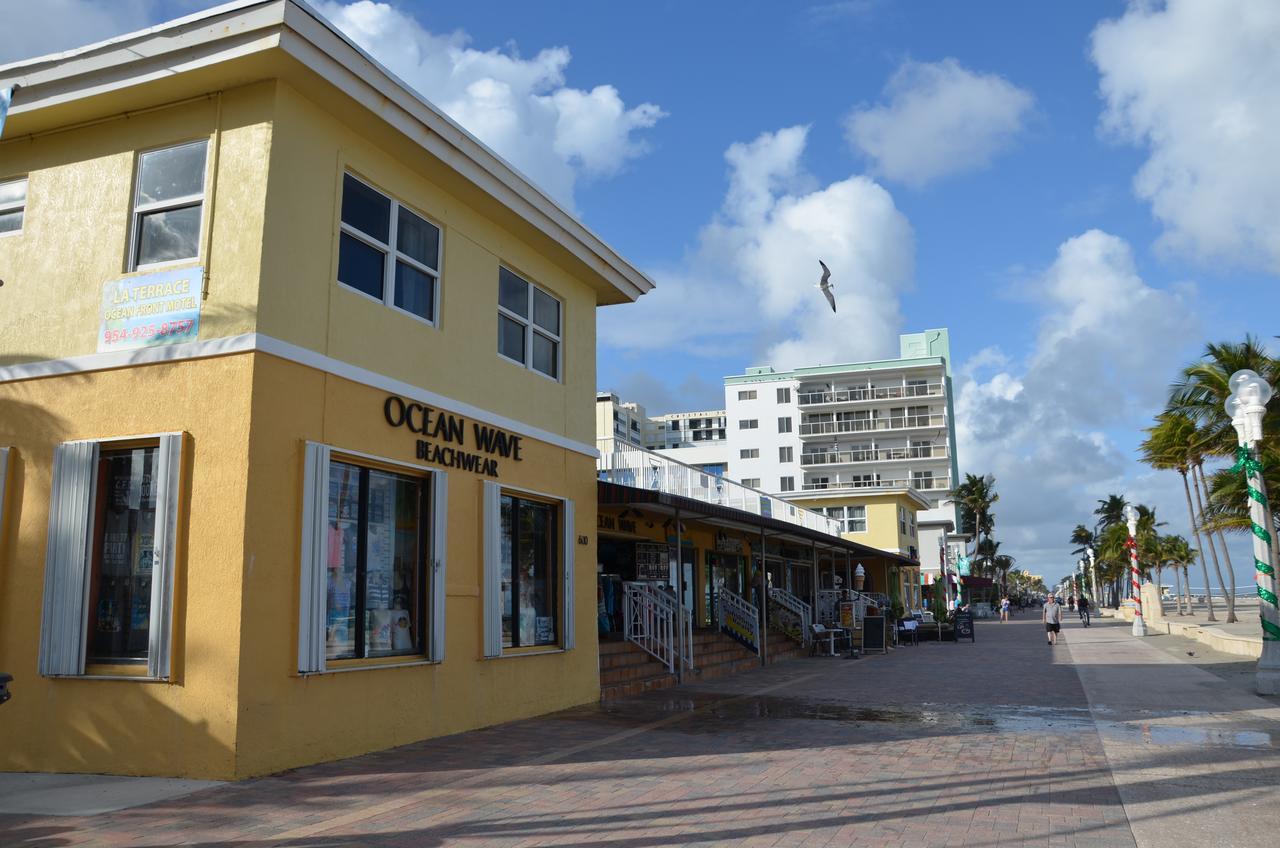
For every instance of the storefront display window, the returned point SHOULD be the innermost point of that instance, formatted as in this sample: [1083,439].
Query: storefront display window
[375,594]
[527,570]
[123,555]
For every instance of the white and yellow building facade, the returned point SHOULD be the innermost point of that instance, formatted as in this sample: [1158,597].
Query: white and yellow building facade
[296,410]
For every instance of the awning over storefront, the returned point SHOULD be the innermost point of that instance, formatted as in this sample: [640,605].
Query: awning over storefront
[613,494]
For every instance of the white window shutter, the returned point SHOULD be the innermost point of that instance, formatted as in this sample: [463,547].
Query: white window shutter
[66,559]
[436,566]
[491,594]
[168,477]
[315,532]
[570,545]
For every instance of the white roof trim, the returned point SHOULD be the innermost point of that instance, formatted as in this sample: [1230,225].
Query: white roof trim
[248,26]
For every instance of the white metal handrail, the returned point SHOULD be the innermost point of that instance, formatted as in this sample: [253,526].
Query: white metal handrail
[881,393]
[629,465]
[790,609]
[874,455]
[920,484]
[863,425]
[739,618]
[649,617]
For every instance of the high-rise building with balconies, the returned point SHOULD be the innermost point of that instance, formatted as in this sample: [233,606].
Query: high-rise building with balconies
[843,437]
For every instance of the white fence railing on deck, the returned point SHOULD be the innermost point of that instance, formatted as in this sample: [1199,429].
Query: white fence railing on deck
[739,618]
[789,612]
[651,619]
[629,465]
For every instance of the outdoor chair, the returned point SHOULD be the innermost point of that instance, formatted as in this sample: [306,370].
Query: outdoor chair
[908,631]
[832,636]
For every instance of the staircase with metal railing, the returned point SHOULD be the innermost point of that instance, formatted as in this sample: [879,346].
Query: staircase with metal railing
[739,618]
[791,615]
[652,620]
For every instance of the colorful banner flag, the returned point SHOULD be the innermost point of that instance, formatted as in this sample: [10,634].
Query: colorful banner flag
[6,97]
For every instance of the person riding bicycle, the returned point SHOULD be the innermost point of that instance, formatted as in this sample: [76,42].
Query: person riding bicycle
[1082,606]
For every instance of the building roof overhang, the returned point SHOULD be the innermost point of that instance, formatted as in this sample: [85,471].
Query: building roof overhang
[614,494]
[253,40]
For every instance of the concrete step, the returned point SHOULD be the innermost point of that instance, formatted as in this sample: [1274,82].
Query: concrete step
[635,687]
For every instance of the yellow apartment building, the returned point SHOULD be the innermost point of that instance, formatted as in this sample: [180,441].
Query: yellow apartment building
[296,410]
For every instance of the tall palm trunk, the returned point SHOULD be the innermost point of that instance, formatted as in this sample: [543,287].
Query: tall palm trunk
[1208,537]
[1198,468]
[1195,525]
[1177,586]
[1186,582]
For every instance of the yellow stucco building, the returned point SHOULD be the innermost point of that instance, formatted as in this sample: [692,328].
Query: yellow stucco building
[296,398]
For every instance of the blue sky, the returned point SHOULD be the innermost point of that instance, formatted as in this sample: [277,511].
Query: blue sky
[1083,192]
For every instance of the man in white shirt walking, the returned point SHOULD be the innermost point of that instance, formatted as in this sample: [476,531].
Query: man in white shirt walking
[1051,615]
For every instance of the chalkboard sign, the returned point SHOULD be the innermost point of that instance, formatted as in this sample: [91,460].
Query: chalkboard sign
[964,626]
[653,561]
[873,634]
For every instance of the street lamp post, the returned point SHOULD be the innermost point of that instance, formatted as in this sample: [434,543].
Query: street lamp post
[1246,406]
[1135,576]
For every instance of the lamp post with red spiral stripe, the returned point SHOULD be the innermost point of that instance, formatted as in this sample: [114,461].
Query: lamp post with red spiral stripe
[1135,576]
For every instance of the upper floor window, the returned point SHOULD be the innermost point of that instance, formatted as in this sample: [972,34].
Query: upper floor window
[168,205]
[784,425]
[387,251]
[786,454]
[749,424]
[788,484]
[13,204]
[747,395]
[749,453]
[529,325]
[784,395]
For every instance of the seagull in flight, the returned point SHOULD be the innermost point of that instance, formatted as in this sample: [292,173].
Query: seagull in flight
[826,285]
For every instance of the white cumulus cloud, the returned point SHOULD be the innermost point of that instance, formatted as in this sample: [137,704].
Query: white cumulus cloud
[940,118]
[1195,84]
[1107,346]
[748,288]
[520,107]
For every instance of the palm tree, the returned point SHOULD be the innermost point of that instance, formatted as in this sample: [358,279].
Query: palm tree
[1179,554]
[1082,537]
[1200,393]
[975,496]
[1173,443]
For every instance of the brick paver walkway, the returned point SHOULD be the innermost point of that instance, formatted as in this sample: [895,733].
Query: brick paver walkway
[937,745]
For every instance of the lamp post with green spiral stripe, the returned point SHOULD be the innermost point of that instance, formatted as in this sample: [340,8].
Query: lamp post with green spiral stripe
[1246,406]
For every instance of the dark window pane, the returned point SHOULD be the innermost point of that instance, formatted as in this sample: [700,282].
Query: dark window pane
[513,293]
[511,338]
[360,266]
[168,174]
[365,209]
[418,239]
[415,291]
[528,573]
[342,560]
[11,221]
[505,575]
[124,555]
[546,311]
[169,236]
[544,355]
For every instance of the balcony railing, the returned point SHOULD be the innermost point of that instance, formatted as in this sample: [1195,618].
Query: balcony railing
[878,455]
[867,425]
[867,393]
[920,484]
[628,465]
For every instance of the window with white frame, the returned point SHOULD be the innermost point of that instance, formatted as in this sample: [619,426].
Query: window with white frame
[111,556]
[528,592]
[856,519]
[747,394]
[902,521]
[784,395]
[784,424]
[13,205]
[749,453]
[749,424]
[373,561]
[786,454]
[529,321]
[751,482]
[168,205]
[787,484]
[387,251]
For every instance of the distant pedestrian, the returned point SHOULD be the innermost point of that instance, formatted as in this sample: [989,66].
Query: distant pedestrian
[1004,608]
[1071,602]
[1051,615]
[1082,607]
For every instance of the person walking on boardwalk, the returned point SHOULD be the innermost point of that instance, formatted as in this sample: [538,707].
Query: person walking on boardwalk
[1004,608]
[1051,615]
